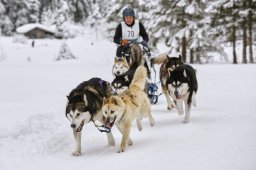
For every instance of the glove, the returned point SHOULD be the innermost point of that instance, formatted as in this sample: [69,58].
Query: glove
[144,43]
[124,42]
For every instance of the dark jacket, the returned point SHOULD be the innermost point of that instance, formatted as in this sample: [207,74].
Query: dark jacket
[118,34]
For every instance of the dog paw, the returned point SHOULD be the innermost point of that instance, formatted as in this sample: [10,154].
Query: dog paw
[151,122]
[76,153]
[185,121]
[120,150]
[139,128]
[169,108]
[130,142]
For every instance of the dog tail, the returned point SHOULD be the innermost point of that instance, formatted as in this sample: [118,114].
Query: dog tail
[159,59]
[139,78]
[136,55]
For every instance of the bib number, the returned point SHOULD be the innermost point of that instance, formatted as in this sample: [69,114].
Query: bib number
[130,33]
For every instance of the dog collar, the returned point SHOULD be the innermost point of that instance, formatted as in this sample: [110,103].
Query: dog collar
[101,83]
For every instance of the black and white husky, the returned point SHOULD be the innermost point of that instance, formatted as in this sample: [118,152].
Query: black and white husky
[168,64]
[122,81]
[84,105]
[182,87]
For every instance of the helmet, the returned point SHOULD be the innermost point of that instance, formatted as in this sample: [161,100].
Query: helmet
[128,12]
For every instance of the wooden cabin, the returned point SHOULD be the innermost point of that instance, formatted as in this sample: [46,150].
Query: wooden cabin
[36,31]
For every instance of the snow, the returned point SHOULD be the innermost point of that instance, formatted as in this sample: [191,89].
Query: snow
[35,134]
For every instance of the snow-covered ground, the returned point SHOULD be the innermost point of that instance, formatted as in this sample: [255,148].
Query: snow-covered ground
[34,133]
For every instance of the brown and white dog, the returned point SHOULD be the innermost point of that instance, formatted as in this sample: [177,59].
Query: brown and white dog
[122,109]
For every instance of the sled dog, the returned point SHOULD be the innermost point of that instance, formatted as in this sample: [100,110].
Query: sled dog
[122,82]
[84,104]
[120,66]
[135,56]
[135,59]
[167,64]
[182,87]
[132,104]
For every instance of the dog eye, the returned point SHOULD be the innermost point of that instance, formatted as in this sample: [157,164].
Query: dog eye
[112,111]
[78,114]
[69,116]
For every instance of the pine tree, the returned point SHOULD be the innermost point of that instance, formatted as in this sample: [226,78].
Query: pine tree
[65,53]
[245,26]
[80,10]
[33,7]
[6,25]
[18,12]
[224,22]
[44,8]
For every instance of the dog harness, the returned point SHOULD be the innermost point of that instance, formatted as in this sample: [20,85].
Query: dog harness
[101,83]
[101,128]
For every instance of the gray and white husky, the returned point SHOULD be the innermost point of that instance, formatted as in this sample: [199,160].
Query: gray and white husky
[84,105]
[120,66]
[182,87]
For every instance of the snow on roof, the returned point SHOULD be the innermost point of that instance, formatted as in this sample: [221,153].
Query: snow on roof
[28,27]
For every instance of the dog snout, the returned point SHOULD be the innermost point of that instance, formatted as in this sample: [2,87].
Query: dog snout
[107,120]
[73,126]
[176,93]
[118,72]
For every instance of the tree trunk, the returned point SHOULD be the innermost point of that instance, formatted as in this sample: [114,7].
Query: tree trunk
[41,8]
[234,41]
[184,47]
[198,56]
[250,33]
[183,40]
[244,41]
[191,51]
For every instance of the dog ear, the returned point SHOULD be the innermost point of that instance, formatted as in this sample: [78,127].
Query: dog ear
[117,58]
[68,98]
[180,58]
[105,100]
[184,73]
[114,101]
[124,60]
[85,100]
